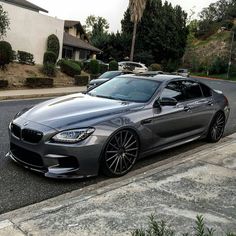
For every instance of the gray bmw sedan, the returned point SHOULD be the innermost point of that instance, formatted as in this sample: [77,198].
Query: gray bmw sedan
[113,125]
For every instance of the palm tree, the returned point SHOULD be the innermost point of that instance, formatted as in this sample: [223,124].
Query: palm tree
[136,8]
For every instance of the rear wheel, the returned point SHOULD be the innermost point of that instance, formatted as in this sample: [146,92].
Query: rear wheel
[120,154]
[217,128]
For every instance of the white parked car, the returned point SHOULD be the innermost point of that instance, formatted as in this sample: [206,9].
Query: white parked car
[135,67]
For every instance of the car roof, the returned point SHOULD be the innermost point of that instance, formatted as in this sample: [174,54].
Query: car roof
[131,62]
[161,78]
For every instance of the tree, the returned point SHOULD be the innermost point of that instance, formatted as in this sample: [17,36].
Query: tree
[162,33]
[96,25]
[136,8]
[4,22]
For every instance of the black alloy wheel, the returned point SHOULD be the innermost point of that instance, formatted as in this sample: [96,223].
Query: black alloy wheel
[217,128]
[120,154]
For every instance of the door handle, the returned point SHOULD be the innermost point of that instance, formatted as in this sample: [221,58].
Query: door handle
[187,108]
[210,103]
[148,121]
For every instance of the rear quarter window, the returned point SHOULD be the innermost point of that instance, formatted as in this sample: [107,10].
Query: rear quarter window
[207,92]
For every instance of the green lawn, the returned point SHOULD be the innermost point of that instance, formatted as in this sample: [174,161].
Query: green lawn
[221,76]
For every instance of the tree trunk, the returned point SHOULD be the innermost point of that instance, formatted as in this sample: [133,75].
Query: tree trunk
[133,41]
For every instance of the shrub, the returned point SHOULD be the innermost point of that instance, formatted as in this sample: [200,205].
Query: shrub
[81,80]
[5,53]
[86,66]
[103,68]
[53,45]
[70,68]
[80,63]
[228,24]
[25,57]
[92,76]
[35,82]
[94,67]
[160,228]
[218,66]
[155,67]
[49,58]
[113,65]
[3,83]
[49,69]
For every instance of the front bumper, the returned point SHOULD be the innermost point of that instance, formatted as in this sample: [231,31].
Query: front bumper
[56,160]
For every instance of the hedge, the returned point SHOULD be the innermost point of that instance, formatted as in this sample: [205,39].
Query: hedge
[70,68]
[25,58]
[3,83]
[94,67]
[53,44]
[80,63]
[49,57]
[113,65]
[81,80]
[5,53]
[155,67]
[39,82]
[92,76]
[49,69]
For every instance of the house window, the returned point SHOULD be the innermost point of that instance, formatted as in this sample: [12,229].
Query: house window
[83,54]
[67,53]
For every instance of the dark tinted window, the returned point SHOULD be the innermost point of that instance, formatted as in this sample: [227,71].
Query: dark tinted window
[192,90]
[206,91]
[174,90]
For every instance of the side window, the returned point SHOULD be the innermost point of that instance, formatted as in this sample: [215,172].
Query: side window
[173,90]
[138,65]
[206,91]
[192,90]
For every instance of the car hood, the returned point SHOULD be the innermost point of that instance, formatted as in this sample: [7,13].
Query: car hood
[82,109]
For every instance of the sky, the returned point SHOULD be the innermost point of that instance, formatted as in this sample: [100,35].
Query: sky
[112,10]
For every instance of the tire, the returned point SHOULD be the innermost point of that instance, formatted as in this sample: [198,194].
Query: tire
[217,128]
[120,154]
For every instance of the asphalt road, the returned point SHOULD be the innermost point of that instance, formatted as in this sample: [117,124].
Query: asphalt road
[20,187]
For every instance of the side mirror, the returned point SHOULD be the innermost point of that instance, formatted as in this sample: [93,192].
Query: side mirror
[168,101]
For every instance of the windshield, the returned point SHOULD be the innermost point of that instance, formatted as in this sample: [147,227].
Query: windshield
[109,74]
[127,89]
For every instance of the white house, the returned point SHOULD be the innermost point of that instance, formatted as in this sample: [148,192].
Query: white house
[29,29]
[76,43]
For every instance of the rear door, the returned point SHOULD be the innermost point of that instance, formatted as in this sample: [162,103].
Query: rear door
[200,103]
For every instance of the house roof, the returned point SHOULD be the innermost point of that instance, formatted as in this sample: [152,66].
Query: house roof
[77,24]
[25,4]
[71,23]
[72,41]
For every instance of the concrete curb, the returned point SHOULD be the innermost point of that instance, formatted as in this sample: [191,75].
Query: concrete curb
[38,93]
[209,78]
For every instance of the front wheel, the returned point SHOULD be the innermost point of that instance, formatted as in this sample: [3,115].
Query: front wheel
[217,128]
[120,154]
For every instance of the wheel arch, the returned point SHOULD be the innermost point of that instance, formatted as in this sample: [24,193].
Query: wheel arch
[133,129]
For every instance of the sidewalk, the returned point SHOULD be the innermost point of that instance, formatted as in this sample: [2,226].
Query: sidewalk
[39,93]
[176,191]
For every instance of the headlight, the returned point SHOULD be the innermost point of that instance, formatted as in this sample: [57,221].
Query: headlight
[73,136]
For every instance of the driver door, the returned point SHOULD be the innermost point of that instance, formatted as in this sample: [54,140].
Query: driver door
[171,123]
